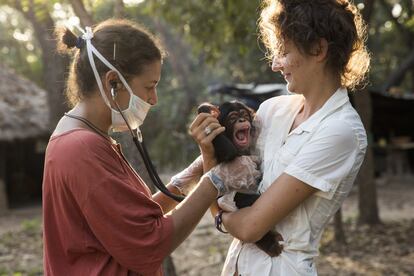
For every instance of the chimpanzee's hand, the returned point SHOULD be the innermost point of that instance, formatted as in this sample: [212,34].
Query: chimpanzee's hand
[226,202]
[241,174]
[185,180]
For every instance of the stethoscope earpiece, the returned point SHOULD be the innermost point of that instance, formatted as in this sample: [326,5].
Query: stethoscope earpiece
[114,85]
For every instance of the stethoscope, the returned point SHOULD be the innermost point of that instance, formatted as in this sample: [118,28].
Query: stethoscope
[139,143]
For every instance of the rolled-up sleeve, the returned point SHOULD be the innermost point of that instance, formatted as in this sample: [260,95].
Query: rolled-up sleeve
[327,158]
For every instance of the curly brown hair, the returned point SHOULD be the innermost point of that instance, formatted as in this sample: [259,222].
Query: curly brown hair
[305,22]
[135,48]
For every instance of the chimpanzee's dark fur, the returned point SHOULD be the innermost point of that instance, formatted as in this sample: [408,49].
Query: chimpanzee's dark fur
[269,243]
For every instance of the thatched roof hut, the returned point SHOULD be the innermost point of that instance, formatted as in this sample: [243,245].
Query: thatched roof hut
[24,116]
[24,112]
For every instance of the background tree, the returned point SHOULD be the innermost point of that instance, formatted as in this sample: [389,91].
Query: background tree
[367,203]
[208,42]
[53,64]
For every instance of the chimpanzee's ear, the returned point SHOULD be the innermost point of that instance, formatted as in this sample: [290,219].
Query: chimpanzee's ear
[252,112]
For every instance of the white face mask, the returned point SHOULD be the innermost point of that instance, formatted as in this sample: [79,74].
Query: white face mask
[137,109]
[135,114]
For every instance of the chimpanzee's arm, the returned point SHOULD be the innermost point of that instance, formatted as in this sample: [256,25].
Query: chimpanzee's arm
[244,200]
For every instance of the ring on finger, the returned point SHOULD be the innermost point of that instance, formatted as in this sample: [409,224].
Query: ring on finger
[207,130]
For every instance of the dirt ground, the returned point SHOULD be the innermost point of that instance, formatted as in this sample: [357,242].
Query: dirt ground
[387,249]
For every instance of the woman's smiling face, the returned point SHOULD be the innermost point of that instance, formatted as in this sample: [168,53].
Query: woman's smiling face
[296,67]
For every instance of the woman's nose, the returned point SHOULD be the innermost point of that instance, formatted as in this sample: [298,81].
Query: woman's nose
[276,64]
[153,99]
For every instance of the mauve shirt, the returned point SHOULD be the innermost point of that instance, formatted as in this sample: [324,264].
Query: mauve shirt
[98,215]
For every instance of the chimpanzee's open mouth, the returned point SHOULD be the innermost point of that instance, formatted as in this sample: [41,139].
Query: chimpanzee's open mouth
[241,137]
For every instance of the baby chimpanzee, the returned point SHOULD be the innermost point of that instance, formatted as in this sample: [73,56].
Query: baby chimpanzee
[236,141]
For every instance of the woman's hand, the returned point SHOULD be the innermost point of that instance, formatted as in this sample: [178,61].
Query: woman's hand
[241,174]
[185,180]
[204,129]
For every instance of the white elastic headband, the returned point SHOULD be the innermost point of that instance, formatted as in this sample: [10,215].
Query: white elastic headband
[87,35]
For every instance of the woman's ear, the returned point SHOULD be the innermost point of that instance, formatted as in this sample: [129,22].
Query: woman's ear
[112,81]
[320,50]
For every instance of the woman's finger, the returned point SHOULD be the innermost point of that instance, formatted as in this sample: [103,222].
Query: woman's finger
[199,120]
[200,130]
[203,138]
[209,138]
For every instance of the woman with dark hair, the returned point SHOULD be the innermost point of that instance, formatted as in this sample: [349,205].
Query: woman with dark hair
[312,142]
[99,217]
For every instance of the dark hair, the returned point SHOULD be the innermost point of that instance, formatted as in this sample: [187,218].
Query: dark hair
[135,48]
[305,22]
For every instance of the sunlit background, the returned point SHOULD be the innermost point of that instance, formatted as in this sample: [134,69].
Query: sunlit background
[211,45]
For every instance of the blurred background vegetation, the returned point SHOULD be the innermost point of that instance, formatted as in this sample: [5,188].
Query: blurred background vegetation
[208,42]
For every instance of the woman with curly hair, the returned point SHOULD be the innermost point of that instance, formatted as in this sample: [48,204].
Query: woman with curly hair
[312,142]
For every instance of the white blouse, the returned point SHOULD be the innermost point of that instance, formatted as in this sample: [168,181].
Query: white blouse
[326,152]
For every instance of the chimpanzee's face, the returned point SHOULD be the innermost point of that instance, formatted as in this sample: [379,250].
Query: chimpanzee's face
[238,127]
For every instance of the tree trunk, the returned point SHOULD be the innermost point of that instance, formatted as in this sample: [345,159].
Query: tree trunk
[119,9]
[54,65]
[367,194]
[3,194]
[80,11]
[338,226]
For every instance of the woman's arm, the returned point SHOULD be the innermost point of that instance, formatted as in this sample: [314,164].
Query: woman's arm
[166,203]
[184,182]
[188,213]
[283,196]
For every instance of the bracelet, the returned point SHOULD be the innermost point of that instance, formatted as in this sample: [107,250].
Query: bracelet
[219,220]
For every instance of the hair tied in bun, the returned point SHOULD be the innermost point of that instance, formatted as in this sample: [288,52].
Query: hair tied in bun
[80,42]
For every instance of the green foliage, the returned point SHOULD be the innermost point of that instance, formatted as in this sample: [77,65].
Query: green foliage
[166,127]
[223,32]
[218,43]
[18,48]
[390,45]
[102,9]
